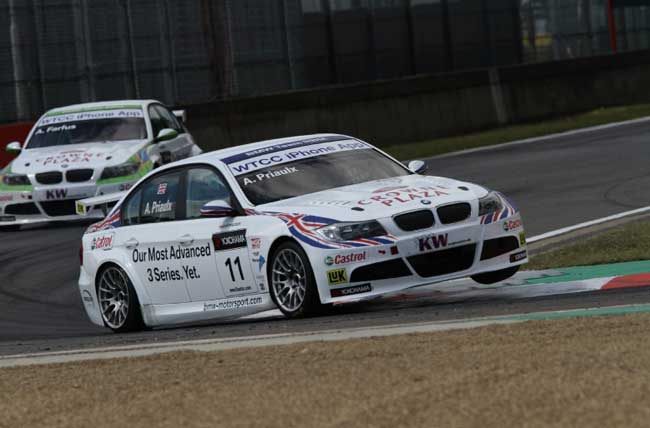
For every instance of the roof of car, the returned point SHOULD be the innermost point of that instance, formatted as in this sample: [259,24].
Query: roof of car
[218,155]
[100,105]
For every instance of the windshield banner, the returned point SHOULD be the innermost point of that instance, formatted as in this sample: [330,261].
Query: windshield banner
[92,115]
[270,157]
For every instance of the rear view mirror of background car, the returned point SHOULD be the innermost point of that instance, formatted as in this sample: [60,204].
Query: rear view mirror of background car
[13,147]
[166,134]
[218,208]
[417,166]
[180,115]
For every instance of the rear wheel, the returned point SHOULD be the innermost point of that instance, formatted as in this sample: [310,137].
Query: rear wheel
[118,301]
[292,283]
[496,276]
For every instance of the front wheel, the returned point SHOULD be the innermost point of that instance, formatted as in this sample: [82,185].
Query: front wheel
[293,287]
[118,301]
[488,278]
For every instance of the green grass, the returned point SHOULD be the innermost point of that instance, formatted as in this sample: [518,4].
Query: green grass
[622,244]
[600,116]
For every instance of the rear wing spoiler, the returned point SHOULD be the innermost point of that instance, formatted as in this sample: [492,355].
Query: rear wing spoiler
[83,206]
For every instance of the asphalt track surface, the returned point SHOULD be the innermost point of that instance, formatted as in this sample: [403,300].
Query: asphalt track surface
[556,183]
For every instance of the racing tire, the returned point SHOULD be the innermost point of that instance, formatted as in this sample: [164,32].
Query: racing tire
[488,278]
[291,282]
[118,301]
[12,228]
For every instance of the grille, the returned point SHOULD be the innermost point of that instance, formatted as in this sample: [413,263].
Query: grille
[22,209]
[78,175]
[53,177]
[496,247]
[444,262]
[59,208]
[416,220]
[454,213]
[382,270]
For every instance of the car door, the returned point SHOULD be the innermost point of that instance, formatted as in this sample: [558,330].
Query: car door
[150,232]
[179,147]
[227,271]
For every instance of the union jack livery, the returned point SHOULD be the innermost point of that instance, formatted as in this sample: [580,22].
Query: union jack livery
[295,224]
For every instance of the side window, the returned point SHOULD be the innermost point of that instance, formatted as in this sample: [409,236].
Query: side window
[169,119]
[204,185]
[153,201]
[131,210]
[157,123]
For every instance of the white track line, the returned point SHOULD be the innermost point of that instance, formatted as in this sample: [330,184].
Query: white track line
[544,137]
[564,230]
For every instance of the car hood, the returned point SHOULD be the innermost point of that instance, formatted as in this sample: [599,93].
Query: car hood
[380,198]
[74,156]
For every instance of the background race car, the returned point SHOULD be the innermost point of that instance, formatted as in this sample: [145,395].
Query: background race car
[296,224]
[87,150]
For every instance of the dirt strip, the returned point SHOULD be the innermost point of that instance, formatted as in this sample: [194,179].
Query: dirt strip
[575,372]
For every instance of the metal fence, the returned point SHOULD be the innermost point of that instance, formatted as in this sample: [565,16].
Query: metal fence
[58,52]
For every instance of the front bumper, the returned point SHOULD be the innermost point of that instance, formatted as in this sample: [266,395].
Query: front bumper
[446,253]
[52,203]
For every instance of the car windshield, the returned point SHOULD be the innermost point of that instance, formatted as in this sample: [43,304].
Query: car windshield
[85,131]
[319,173]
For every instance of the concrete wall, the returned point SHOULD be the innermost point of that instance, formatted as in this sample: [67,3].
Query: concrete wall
[425,107]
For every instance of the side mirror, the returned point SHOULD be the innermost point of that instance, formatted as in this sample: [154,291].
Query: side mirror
[218,208]
[417,166]
[180,115]
[14,147]
[166,135]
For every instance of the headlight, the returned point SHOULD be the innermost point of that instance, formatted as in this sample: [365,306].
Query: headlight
[351,231]
[15,180]
[489,204]
[122,170]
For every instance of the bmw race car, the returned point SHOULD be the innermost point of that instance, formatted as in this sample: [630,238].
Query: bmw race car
[87,150]
[296,224]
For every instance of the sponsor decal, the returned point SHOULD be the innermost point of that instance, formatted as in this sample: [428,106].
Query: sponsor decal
[153,254]
[433,242]
[242,289]
[348,291]
[405,195]
[517,256]
[104,242]
[260,262]
[337,276]
[340,259]
[6,198]
[256,243]
[232,303]
[512,225]
[522,238]
[162,188]
[261,281]
[243,164]
[229,240]
[280,147]
[56,118]
[70,157]
[56,194]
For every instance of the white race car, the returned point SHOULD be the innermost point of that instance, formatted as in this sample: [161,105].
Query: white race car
[86,150]
[296,223]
